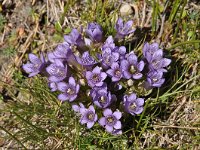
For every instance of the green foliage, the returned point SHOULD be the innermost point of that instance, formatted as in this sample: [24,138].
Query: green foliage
[2,22]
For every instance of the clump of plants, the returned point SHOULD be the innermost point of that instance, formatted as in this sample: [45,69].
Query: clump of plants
[98,75]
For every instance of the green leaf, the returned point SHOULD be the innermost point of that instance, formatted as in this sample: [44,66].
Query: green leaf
[58,27]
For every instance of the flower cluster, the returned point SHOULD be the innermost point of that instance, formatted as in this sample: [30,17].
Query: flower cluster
[94,71]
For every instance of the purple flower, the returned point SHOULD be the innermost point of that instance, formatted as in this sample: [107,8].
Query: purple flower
[155,78]
[62,52]
[74,38]
[109,43]
[57,71]
[35,66]
[95,77]
[115,72]
[86,60]
[131,67]
[111,120]
[150,49]
[157,62]
[122,51]
[94,31]
[53,86]
[108,58]
[103,98]
[94,90]
[154,56]
[133,105]
[88,116]
[77,108]
[69,90]
[123,29]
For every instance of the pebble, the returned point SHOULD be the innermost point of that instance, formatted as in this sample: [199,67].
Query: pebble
[126,10]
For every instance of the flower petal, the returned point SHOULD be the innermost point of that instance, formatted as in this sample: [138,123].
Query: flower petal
[118,125]
[72,81]
[117,114]
[109,128]
[76,108]
[28,67]
[34,59]
[102,121]
[90,124]
[137,76]
[139,101]
[63,97]
[107,112]
[62,86]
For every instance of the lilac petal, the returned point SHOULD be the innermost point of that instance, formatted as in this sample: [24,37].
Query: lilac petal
[137,76]
[115,79]
[62,86]
[76,108]
[109,128]
[140,65]
[122,50]
[110,72]
[83,120]
[132,97]
[145,48]
[128,24]
[103,75]
[81,105]
[139,110]
[155,46]
[63,97]
[139,101]
[132,59]
[68,39]
[115,56]
[96,70]
[72,98]
[117,114]
[158,54]
[59,63]
[83,110]
[33,74]
[99,84]
[28,67]
[92,108]
[115,65]
[102,121]
[107,112]
[88,74]
[124,65]
[118,125]
[90,124]
[42,58]
[51,57]
[95,118]
[54,79]
[77,88]
[72,81]
[127,75]
[34,59]
[166,62]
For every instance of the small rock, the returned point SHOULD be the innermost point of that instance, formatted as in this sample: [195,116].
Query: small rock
[126,10]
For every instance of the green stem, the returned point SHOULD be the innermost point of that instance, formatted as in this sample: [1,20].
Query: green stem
[18,141]
[145,107]
[179,21]
[183,43]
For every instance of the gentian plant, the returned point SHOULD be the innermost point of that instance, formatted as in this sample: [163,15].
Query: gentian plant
[99,76]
